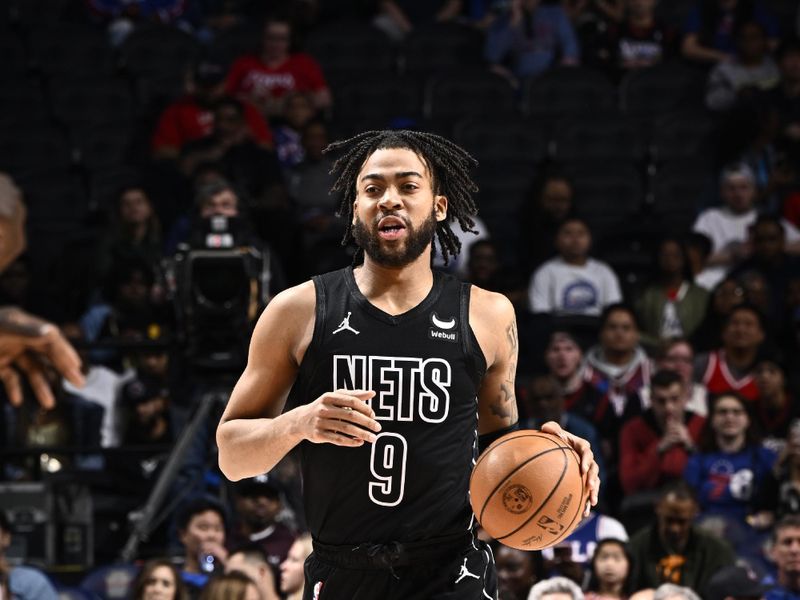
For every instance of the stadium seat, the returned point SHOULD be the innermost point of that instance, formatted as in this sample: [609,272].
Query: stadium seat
[454,95]
[110,582]
[609,138]
[440,47]
[675,12]
[664,88]
[105,184]
[378,98]
[25,147]
[71,50]
[512,139]
[230,44]
[159,51]
[348,49]
[679,191]
[569,91]
[684,136]
[103,146]
[15,58]
[80,103]
[22,103]
[53,195]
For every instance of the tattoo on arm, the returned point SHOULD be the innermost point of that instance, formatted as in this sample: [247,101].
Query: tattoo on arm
[505,406]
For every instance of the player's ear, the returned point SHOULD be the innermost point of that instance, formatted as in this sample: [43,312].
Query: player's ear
[440,207]
[355,210]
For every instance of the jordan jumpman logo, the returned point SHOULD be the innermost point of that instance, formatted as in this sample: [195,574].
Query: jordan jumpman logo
[465,572]
[345,325]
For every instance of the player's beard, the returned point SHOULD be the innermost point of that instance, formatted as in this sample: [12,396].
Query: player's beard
[416,240]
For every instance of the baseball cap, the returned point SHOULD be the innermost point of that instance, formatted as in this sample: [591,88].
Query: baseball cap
[260,485]
[736,582]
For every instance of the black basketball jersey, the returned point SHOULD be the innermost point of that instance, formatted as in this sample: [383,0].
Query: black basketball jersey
[425,367]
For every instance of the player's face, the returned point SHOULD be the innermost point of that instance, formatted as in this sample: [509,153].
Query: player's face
[160,585]
[786,550]
[611,564]
[292,569]
[729,418]
[514,572]
[563,357]
[395,212]
[203,528]
[668,403]
[675,517]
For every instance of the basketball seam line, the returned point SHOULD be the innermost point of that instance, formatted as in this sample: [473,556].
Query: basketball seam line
[505,478]
[546,500]
[500,443]
[577,512]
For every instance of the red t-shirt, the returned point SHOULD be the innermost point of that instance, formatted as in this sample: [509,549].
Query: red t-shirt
[251,78]
[185,121]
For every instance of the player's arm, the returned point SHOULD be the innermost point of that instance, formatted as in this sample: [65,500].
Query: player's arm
[253,435]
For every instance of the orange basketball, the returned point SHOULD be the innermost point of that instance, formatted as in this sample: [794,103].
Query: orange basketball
[527,490]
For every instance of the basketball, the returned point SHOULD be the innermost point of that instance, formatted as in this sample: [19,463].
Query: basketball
[527,491]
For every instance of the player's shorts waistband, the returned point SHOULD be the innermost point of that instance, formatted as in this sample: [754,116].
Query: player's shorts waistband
[392,554]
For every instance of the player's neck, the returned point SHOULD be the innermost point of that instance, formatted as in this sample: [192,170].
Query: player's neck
[395,290]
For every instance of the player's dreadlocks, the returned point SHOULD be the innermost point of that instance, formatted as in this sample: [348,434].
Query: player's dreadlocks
[448,164]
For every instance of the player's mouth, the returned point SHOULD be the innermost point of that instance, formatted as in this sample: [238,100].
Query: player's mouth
[391,228]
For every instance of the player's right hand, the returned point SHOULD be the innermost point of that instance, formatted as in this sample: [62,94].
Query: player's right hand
[342,418]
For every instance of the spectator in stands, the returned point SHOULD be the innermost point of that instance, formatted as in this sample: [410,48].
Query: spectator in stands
[24,583]
[785,553]
[556,588]
[751,69]
[564,360]
[135,232]
[191,117]
[727,226]
[231,585]
[314,208]
[698,251]
[292,578]
[770,259]
[655,446]
[709,30]
[550,206]
[580,546]
[641,39]
[122,16]
[669,591]
[734,583]
[673,549]
[673,306]
[252,561]
[610,574]
[730,368]
[517,571]
[731,464]
[201,530]
[779,494]
[544,401]
[298,111]
[530,38]
[776,409]
[483,265]
[398,18]
[724,298]
[252,168]
[265,79]
[158,580]
[677,354]
[573,282]
[618,366]
[149,420]
[258,501]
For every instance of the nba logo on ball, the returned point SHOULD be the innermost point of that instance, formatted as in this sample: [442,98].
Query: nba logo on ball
[527,490]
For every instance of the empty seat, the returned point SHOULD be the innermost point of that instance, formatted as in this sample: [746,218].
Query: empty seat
[232,43]
[22,102]
[52,195]
[497,139]
[380,98]
[439,47]
[14,57]
[665,88]
[675,12]
[680,189]
[24,148]
[684,136]
[81,103]
[105,184]
[351,48]
[103,147]
[569,91]
[589,138]
[161,50]
[71,50]
[458,94]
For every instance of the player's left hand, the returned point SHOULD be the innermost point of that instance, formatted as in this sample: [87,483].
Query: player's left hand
[589,468]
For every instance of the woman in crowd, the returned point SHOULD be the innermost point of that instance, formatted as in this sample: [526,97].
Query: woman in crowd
[610,574]
[231,586]
[292,578]
[159,580]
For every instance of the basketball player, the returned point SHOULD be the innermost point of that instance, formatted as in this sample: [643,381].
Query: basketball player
[390,377]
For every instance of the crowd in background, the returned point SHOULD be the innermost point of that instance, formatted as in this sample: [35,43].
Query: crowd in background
[639,204]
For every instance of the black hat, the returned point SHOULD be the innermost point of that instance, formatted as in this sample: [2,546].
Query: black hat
[208,73]
[260,485]
[142,389]
[734,582]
